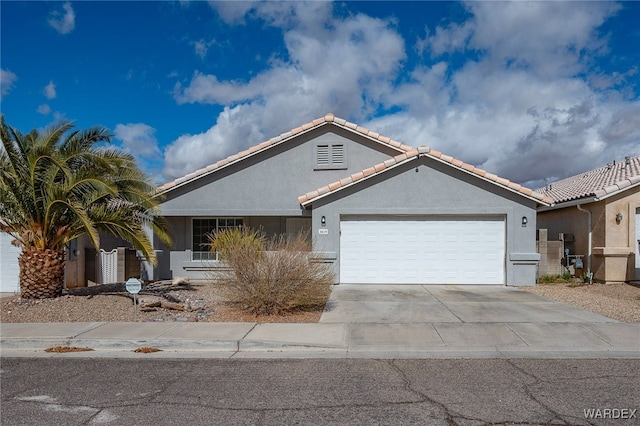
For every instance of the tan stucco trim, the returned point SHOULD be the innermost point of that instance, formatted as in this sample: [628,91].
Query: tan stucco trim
[613,251]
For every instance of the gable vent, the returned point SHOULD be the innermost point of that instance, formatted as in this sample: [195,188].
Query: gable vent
[330,156]
[337,155]
[322,155]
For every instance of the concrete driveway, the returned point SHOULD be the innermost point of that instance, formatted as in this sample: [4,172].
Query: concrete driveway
[469,320]
[448,304]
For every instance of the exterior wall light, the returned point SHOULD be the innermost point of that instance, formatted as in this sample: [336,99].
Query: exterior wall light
[524,221]
[323,221]
[618,218]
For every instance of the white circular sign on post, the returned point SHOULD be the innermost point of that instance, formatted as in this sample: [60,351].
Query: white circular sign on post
[133,285]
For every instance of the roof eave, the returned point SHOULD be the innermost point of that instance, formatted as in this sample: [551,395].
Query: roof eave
[618,191]
[570,203]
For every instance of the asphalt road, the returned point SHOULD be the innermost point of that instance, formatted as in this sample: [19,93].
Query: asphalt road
[87,391]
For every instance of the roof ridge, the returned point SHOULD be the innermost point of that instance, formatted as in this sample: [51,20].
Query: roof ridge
[327,118]
[421,150]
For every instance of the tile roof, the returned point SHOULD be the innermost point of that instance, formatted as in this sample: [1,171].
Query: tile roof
[309,197]
[327,119]
[599,183]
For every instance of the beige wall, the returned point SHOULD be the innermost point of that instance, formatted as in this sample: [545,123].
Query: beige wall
[550,255]
[613,243]
[621,240]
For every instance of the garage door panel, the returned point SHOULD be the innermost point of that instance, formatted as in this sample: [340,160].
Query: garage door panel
[423,251]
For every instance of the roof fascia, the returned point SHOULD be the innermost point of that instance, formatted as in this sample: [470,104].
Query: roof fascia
[572,203]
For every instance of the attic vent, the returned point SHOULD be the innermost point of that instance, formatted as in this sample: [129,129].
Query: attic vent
[337,154]
[322,156]
[330,157]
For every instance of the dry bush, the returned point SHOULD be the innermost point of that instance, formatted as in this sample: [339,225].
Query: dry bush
[271,276]
[146,350]
[66,349]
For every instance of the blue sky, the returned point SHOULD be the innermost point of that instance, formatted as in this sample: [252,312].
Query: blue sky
[527,90]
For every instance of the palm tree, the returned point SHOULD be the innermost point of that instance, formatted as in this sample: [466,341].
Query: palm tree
[59,184]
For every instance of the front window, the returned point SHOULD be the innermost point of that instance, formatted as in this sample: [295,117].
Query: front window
[202,228]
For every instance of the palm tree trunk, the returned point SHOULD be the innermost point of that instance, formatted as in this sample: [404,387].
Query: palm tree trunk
[41,273]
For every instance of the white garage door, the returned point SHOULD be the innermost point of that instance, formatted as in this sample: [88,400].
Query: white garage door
[9,269]
[442,250]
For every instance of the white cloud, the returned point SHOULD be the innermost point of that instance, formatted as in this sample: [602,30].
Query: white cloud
[49,90]
[233,128]
[7,80]
[232,12]
[44,109]
[202,47]
[63,21]
[138,139]
[525,104]
[527,107]
[345,67]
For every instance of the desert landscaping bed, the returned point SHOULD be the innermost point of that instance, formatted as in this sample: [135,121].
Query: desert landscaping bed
[201,302]
[618,301]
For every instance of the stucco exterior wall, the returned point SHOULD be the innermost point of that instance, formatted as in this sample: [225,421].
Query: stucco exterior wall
[263,190]
[617,254]
[427,187]
[269,183]
[178,261]
[613,243]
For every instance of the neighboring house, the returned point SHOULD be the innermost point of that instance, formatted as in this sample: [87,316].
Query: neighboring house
[598,212]
[9,269]
[379,211]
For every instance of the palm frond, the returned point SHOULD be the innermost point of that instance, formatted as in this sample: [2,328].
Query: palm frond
[55,189]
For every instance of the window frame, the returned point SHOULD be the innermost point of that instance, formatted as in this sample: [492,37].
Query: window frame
[207,255]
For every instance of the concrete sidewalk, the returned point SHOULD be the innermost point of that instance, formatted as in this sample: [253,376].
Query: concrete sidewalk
[362,322]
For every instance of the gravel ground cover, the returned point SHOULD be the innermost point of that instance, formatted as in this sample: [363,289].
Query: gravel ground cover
[203,301]
[618,301]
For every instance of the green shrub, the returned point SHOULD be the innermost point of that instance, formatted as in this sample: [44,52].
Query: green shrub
[271,276]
